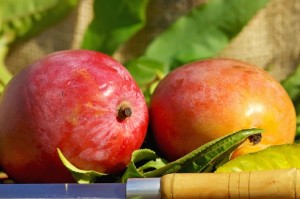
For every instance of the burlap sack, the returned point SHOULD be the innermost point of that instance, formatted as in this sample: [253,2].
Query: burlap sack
[271,40]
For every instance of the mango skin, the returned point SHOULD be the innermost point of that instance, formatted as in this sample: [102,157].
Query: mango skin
[70,100]
[204,100]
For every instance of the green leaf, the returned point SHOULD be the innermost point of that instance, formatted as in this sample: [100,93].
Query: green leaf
[292,86]
[147,74]
[274,157]
[147,158]
[81,176]
[206,157]
[4,178]
[297,137]
[3,175]
[204,32]
[152,165]
[115,21]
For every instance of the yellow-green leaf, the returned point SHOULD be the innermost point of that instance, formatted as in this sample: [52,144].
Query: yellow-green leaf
[81,176]
[274,157]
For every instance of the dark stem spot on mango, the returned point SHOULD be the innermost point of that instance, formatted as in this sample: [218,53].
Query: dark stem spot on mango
[255,139]
[124,112]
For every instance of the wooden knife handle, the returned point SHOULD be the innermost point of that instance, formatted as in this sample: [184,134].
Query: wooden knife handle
[258,184]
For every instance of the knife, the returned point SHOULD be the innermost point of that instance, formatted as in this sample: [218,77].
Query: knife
[257,184]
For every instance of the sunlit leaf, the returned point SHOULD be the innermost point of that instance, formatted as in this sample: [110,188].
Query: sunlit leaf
[142,160]
[274,157]
[204,32]
[147,73]
[114,22]
[81,176]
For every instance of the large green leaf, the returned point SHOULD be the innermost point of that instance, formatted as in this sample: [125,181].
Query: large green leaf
[204,32]
[115,21]
[275,157]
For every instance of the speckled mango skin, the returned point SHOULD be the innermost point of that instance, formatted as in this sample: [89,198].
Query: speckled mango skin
[70,100]
[204,100]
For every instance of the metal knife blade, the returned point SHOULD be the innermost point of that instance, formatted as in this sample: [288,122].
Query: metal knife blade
[146,188]
[99,190]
